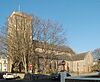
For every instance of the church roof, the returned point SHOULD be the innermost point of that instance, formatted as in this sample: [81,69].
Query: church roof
[63,57]
[80,56]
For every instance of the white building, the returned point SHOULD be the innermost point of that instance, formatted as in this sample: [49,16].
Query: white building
[3,63]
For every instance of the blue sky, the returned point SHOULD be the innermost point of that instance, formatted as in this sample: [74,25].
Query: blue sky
[80,18]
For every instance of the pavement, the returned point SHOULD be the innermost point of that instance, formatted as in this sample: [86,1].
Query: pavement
[72,74]
[27,81]
[84,74]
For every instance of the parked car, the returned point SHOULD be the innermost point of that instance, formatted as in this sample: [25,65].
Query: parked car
[29,76]
[8,76]
[1,75]
[56,76]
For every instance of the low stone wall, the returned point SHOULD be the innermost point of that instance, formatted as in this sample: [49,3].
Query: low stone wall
[79,79]
[20,74]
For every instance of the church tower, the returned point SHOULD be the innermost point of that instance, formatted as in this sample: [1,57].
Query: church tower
[19,36]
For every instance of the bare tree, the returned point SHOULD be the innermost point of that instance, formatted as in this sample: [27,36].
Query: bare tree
[50,35]
[22,35]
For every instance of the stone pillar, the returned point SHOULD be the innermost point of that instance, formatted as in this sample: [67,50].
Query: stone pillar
[62,76]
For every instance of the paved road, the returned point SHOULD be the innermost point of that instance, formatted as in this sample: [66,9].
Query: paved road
[28,81]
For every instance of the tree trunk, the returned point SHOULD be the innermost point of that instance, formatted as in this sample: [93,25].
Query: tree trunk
[25,64]
[12,68]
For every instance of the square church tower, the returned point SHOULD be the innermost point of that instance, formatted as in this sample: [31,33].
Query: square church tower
[19,35]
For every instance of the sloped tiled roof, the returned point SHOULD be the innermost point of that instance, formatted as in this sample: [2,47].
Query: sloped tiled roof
[62,57]
[56,57]
[80,56]
[38,44]
[77,57]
